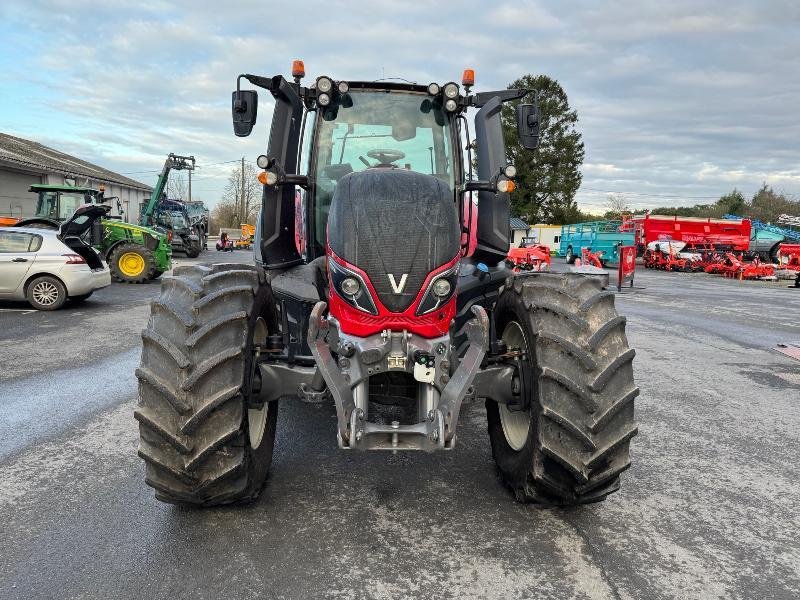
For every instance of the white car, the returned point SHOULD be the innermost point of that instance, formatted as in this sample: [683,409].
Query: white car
[46,267]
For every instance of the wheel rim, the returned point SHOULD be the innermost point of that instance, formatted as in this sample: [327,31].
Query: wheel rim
[45,293]
[257,418]
[516,424]
[131,264]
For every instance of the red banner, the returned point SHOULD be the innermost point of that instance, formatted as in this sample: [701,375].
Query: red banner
[627,265]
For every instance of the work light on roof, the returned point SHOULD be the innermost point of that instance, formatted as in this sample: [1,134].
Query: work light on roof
[451,90]
[323,99]
[433,89]
[262,161]
[450,105]
[324,84]
[343,87]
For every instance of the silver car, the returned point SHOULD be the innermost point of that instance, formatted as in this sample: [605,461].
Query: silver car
[47,267]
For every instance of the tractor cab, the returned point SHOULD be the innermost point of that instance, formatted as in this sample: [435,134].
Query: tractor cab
[57,203]
[171,218]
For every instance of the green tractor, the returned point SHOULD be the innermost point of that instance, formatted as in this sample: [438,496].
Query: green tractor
[135,254]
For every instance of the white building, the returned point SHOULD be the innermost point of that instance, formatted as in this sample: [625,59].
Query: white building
[24,163]
[550,235]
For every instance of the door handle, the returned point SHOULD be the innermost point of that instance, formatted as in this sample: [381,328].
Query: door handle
[19,260]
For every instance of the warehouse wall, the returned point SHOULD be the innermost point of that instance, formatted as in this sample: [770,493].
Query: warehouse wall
[17,201]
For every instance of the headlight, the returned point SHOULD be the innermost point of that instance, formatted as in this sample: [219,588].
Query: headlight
[350,286]
[262,161]
[442,287]
[433,89]
[323,99]
[344,87]
[451,90]
[450,105]
[439,291]
[506,186]
[324,84]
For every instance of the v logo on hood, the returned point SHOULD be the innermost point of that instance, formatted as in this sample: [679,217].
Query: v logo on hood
[397,288]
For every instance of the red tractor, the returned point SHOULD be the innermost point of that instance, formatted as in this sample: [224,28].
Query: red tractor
[368,296]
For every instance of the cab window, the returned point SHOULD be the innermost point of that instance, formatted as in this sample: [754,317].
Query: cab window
[68,204]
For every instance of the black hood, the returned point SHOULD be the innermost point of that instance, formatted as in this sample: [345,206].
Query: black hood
[394,222]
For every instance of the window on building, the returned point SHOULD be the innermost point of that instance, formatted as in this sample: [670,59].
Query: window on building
[557,239]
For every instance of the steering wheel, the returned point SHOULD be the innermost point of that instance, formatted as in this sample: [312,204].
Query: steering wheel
[386,157]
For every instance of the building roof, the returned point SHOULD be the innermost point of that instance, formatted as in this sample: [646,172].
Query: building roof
[32,155]
[517,223]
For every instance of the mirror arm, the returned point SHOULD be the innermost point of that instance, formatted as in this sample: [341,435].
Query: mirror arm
[481,186]
[302,180]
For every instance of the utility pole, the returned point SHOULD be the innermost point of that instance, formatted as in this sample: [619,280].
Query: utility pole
[190,185]
[241,213]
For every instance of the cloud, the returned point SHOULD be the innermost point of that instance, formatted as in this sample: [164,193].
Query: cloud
[678,100]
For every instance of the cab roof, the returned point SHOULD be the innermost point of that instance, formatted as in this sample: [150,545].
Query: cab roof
[36,187]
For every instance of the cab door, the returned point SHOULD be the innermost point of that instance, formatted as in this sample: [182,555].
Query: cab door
[17,253]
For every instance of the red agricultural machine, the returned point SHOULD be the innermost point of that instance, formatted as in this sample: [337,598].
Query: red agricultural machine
[733,266]
[594,259]
[669,255]
[368,296]
[535,257]
[696,233]
[789,256]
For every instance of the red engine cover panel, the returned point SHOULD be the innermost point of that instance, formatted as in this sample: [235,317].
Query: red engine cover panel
[359,323]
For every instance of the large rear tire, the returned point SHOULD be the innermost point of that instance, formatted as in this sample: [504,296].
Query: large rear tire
[201,444]
[132,263]
[572,443]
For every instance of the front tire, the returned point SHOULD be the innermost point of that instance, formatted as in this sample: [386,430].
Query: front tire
[572,443]
[200,443]
[193,249]
[132,263]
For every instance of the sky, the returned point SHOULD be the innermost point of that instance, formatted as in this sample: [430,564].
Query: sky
[678,102]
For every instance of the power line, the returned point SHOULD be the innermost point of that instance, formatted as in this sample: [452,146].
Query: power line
[156,171]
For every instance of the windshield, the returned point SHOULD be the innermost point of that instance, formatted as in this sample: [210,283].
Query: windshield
[380,130]
[50,207]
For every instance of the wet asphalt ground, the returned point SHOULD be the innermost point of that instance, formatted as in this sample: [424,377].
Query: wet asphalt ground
[709,509]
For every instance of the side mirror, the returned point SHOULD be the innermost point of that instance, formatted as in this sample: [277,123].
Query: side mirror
[528,126]
[244,105]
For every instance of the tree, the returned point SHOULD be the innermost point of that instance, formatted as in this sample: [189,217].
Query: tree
[234,208]
[224,215]
[733,203]
[177,188]
[547,178]
[616,206]
[247,205]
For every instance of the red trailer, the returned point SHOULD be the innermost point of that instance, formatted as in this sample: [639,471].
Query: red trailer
[698,233]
